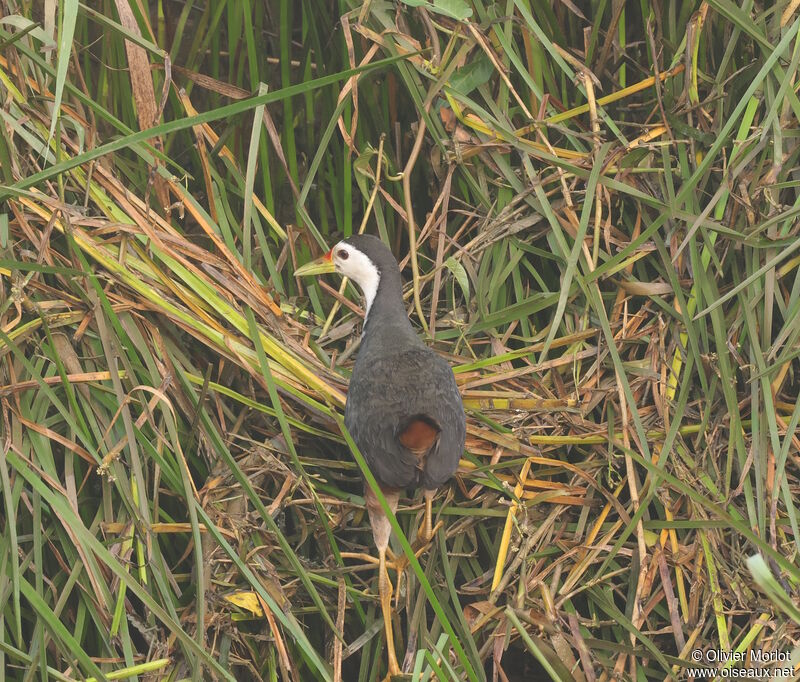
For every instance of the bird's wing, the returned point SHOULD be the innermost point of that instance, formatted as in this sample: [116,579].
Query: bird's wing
[372,415]
[452,422]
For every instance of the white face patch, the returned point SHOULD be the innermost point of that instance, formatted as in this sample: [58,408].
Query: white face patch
[351,263]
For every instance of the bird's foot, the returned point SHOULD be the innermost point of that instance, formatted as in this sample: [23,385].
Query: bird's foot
[362,556]
[397,562]
[400,562]
[425,535]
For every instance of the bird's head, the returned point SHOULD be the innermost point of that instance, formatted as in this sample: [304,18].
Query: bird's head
[362,258]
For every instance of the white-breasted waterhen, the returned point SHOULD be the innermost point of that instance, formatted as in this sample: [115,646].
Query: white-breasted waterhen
[403,409]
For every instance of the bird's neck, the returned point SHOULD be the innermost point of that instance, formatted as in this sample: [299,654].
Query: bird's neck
[386,325]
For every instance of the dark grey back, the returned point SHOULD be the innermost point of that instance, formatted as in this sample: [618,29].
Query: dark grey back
[397,376]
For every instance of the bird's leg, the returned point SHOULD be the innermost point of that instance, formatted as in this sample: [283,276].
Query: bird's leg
[424,536]
[385,589]
[427,531]
[381,530]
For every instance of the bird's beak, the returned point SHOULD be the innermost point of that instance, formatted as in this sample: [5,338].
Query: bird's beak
[320,266]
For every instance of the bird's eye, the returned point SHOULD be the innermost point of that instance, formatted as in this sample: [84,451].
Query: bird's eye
[343,254]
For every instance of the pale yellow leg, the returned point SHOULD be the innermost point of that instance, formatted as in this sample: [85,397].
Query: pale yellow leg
[427,531]
[385,589]
[424,536]
[381,530]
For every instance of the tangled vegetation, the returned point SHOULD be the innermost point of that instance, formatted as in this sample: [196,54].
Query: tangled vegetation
[595,207]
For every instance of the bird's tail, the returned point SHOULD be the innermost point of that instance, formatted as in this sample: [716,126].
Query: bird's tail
[419,434]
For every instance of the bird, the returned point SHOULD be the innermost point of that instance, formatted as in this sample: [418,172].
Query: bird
[404,410]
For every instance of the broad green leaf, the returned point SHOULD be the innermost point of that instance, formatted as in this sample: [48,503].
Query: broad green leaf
[455,9]
[460,274]
[472,75]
